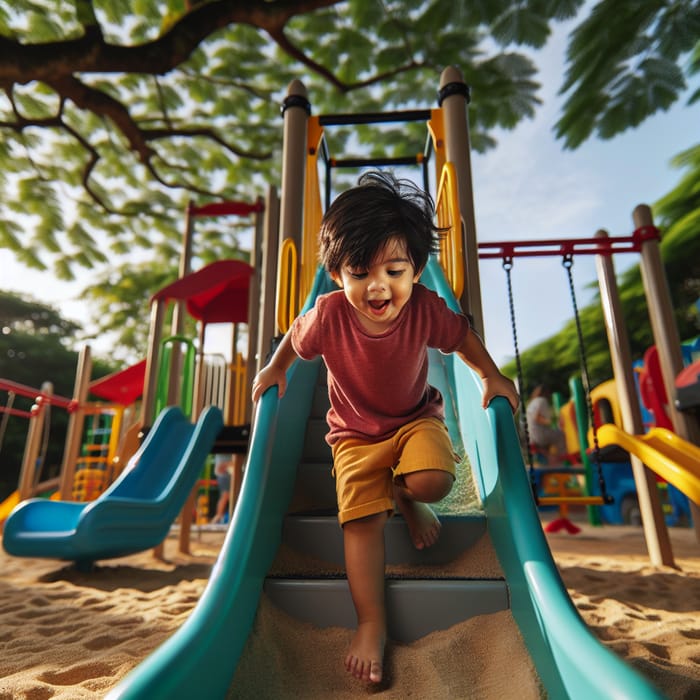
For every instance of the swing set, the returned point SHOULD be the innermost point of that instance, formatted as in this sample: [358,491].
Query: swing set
[566,249]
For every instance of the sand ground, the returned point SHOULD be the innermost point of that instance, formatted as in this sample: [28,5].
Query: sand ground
[68,635]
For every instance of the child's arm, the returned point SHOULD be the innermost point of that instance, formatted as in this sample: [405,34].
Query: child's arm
[474,353]
[275,371]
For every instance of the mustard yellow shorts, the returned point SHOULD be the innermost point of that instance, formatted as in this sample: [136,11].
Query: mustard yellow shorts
[365,471]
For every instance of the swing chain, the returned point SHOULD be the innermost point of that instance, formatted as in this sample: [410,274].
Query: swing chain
[568,262]
[508,266]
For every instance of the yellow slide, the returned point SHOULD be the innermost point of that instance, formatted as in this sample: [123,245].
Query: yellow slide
[672,458]
[8,505]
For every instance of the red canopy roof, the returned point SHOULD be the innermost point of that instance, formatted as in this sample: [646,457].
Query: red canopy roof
[217,293]
[122,387]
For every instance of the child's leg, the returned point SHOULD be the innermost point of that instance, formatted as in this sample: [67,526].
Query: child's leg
[412,493]
[364,563]
[424,474]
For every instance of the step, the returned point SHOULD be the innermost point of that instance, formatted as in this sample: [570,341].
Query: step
[314,488]
[320,402]
[415,608]
[316,449]
[321,537]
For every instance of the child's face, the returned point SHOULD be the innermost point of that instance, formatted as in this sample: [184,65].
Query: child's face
[378,294]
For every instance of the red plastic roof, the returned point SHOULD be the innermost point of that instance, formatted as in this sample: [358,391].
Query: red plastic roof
[122,387]
[217,293]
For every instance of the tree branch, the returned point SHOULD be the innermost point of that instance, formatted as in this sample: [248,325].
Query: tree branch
[23,63]
[102,104]
[293,51]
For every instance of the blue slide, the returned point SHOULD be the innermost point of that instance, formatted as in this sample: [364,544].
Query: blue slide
[570,661]
[135,512]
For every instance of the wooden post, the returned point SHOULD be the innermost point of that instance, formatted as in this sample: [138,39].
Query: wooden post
[37,424]
[254,298]
[197,407]
[296,109]
[177,326]
[75,423]
[268,278]
[454,98]
[148,401]
[665,330]
[655,532]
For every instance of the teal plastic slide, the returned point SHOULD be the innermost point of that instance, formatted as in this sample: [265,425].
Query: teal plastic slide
[200,659]
[135,512]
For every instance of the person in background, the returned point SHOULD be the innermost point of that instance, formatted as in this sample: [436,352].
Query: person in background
[544,435]
[223,466]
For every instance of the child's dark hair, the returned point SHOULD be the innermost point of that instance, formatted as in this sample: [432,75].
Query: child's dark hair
[361,220]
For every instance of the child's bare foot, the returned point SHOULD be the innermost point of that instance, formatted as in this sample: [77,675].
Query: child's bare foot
[422,522]
[365,659]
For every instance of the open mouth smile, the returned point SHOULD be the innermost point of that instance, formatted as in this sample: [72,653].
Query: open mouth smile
[378,305]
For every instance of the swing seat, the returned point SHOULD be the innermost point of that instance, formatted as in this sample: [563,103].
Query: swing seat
[571,500]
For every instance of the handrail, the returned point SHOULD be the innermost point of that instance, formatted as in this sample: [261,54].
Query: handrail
[287,287]
[186,375]
[449,217]
[436,131]
[34,393]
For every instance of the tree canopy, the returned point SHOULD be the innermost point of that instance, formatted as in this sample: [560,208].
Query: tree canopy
[627,61]
[115,113]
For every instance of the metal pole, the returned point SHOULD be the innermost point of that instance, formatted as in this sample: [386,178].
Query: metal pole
[655,532]
[454,97]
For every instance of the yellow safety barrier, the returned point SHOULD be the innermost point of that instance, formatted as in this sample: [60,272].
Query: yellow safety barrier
[449,217]
[313,209]
[294,283]
[240,394]
[287,287]
[436,127]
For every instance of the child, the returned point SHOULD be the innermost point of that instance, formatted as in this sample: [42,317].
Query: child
[387,432]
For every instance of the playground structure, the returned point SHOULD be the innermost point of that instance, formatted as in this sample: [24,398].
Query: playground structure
[134,513]
[644,240]
[94,439]
[287,481]
[653,405]
[172,374]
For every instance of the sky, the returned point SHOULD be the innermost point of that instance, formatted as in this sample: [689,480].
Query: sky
[528,187]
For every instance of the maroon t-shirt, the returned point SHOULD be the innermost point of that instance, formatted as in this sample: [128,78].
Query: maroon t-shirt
[378,383]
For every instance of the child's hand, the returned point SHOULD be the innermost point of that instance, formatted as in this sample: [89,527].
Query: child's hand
[267,377]
[499,385]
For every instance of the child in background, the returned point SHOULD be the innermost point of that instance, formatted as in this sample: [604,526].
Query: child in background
[223,465]
[386,423]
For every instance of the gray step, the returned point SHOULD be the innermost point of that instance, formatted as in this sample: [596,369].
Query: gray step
[316,449]
[320,402]
[414,607]
[322,538]
[314,488]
